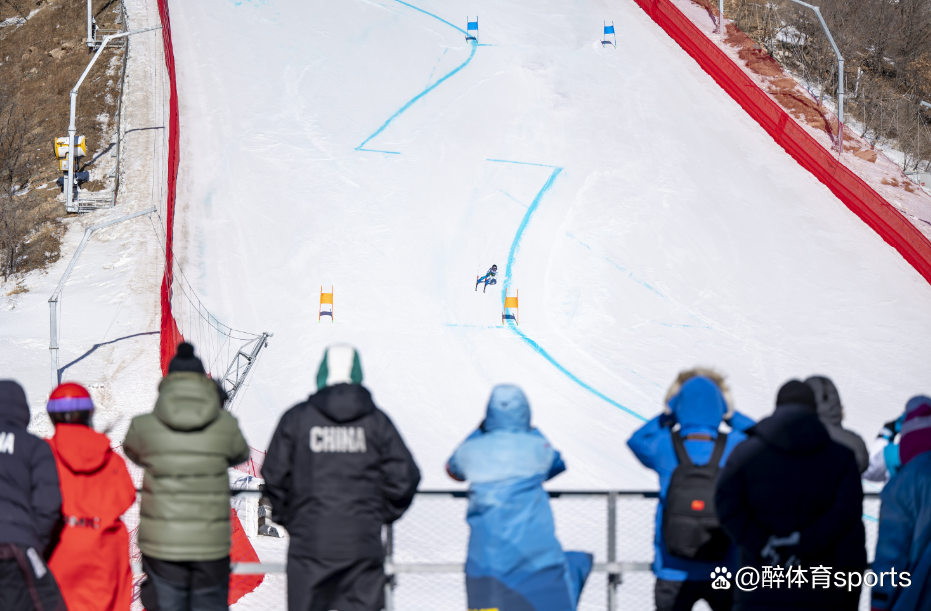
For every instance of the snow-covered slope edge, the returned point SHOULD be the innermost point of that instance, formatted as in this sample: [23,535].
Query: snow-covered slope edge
[849,187]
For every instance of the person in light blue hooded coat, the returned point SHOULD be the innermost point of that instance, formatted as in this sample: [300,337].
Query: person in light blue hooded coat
[515,562]
[699,400]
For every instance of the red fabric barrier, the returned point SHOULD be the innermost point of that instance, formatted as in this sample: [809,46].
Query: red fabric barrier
[242,550]
[856,194]
[170,335]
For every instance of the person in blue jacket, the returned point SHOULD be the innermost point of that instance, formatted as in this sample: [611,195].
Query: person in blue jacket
[904,543]
[699,400]
[515,562]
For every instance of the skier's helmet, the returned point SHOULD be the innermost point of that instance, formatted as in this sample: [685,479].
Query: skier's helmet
[494,268]
[70,403]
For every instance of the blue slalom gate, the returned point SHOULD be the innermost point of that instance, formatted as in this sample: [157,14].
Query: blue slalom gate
[609,29]
[472,26]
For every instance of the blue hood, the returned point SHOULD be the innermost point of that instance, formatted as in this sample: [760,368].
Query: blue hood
[699,404]
[508,410]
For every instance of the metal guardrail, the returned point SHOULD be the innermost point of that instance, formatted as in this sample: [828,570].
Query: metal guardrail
[611,569]
[614,569]
[622,517]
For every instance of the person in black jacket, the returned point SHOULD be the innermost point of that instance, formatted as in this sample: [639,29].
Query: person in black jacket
[30,509]
[335,472]
[831,413]
[791,499]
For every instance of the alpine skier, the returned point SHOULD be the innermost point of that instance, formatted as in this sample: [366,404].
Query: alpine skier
[488,278]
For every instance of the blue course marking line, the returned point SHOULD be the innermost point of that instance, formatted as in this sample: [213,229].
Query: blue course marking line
[674,326]
[870,518]
[540,165]
[512,198]
[515,246]
[416,8]
[572,376]
[645,285]
[629,273]
[422,93]
[452,324]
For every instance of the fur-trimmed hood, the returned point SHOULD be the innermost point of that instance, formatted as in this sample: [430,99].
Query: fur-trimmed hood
[715,377]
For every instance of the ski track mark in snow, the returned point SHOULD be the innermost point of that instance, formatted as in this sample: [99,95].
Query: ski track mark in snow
[514,199]
[417,8]
[647,286]
[384,125]
[515,246]
[623,269]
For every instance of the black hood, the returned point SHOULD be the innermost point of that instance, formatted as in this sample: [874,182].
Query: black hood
[830,410]
[344,402]
[793,428]
[13,406]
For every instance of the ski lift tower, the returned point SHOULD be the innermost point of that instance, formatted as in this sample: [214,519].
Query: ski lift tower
[472,26]
[71,203]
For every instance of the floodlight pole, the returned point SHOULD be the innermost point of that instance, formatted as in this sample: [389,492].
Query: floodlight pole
[720,28]
[840,75]
[918,138]
[53,300]
[72,129]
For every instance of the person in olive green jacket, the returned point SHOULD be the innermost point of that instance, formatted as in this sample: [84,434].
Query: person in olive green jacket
[186,445]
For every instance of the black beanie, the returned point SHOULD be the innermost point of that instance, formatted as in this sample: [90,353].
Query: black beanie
[798,393]
[185,360]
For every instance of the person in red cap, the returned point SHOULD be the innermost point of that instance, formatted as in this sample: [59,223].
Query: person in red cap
[91,558]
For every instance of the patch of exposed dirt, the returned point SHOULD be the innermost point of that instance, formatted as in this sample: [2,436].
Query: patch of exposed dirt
[41,60]
[755,57]
[800,108]
[894,182]
[778,83]
[864,155]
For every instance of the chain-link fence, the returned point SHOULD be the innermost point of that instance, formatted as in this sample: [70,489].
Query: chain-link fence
[427,549]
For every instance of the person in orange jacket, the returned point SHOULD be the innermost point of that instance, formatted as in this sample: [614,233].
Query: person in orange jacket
[90,559]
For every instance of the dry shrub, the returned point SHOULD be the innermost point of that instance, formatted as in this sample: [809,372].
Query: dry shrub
[40,61]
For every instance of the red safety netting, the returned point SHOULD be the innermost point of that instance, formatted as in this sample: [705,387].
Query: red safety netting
[170,336]
[242,550]
[865,202]
[253,466]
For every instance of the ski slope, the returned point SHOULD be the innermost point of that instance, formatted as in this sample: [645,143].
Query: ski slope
[648,223]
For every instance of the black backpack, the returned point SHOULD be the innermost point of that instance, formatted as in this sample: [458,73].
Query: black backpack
[690,523]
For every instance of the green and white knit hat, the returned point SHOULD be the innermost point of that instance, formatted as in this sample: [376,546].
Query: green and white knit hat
[340,366]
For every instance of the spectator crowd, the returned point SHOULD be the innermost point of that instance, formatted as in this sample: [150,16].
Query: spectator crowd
[783,495]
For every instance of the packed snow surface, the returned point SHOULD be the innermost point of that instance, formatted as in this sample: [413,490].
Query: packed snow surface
[649,224]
